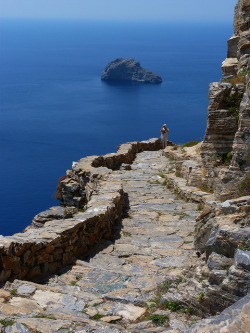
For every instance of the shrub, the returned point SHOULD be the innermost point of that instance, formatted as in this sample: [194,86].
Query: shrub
[189,144]
[73,283]
[97,316]
[241,78]
[200,297]
[6,322]
[244,187]
[13,292]
[173,306]
[159,320]
[224,158]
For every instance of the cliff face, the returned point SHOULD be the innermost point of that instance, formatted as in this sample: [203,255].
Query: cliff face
[225,151]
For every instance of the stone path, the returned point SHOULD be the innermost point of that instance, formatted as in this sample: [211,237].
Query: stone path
[112,290]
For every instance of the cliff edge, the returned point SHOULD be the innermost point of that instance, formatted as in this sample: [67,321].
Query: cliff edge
[225,151]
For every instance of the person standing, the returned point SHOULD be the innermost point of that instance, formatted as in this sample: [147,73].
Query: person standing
[164,136]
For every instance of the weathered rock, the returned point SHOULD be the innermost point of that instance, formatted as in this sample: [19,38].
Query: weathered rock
[229,66]
[242,258]
[20,305]
[225,240]
[128,70]
[216,261]
[233,319]
[217,276]
[232,46]
[26,290]
[16,328]
[54,213]
[225,150]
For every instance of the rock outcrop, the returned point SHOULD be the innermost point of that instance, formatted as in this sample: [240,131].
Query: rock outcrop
[128,70]
[225,150]
[234,319]
[221,238]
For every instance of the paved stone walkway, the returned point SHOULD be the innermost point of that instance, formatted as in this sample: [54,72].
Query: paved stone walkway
[112,290]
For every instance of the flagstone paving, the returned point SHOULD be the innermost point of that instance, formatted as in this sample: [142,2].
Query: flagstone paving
[112,289]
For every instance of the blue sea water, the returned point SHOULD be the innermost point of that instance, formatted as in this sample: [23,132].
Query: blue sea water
[54,109]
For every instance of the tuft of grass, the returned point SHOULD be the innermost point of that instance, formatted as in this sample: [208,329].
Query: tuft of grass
[200,297]
[186,310]
[178,174]
[243,246]
[13,292]
[78,277]
[244,186]
[97,316]
[200,207]
[172,306]
[189,144]
[73,283]
[241,78]
[95,304]
[224,159]
[126,234]
[45,316]
[162,175]
[6,322]
[159,320]
[205,188]
[181,215]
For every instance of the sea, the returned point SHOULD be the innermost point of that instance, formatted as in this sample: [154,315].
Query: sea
[54,109]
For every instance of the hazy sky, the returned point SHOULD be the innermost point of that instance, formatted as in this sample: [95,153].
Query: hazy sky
[185,10]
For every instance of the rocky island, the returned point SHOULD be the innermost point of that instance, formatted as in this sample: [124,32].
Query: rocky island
[147,240]
[128,70]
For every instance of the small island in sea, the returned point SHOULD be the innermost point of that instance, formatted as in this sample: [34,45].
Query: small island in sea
[128,70]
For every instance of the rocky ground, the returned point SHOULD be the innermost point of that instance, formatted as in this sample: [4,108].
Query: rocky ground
[122,285]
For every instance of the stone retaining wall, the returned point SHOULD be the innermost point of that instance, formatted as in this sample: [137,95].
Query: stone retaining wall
[83,179]
[38,252]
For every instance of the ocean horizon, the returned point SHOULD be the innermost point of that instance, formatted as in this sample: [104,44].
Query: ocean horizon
[54,108]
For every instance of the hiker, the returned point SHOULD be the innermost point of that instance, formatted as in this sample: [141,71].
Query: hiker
[164,136]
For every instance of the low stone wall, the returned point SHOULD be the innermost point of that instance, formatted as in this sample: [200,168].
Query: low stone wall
[83,179]
[43,250]
[38,252]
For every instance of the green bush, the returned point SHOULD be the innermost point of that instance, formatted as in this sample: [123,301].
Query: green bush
[173,306]
[244,187]
[159,320]
[189,144]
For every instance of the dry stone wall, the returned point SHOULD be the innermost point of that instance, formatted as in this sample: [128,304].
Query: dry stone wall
[57,238]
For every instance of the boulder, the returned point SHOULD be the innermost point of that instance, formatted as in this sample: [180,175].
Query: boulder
[128,70]
[242,258]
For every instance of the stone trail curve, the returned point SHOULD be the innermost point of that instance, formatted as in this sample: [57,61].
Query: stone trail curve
[112,289]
